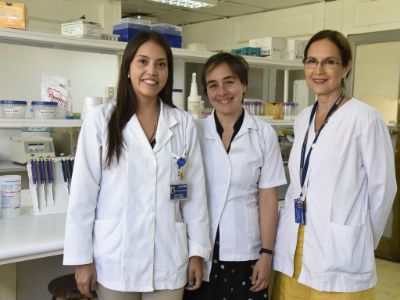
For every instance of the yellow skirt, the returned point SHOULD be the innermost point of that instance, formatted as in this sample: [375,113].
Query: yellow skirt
[288,288]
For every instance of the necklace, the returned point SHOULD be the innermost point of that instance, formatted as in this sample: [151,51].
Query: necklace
[153,135]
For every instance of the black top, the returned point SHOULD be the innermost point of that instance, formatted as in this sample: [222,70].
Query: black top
[236,128]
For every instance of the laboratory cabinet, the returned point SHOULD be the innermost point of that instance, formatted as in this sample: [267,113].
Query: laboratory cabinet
[33,244]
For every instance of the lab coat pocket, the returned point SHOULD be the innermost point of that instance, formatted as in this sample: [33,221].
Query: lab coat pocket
[348,249]
[181,253]
[107,242]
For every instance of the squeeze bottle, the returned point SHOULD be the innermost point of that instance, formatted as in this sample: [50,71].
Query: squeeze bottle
[194,100]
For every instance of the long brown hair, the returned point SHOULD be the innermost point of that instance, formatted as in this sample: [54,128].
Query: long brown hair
[126,105]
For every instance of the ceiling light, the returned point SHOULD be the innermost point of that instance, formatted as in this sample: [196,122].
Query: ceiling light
[189,3]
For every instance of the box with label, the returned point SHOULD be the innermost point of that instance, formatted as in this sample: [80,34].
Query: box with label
[270,46]
[12,15]
[82,28]
[295,48]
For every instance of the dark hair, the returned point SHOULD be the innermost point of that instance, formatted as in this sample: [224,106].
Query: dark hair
[237,64]
[336,38]
[126,105]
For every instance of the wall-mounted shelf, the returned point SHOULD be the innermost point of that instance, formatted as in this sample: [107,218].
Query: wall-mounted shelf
[275,122]
[21,123]
[57,41]
[10,167]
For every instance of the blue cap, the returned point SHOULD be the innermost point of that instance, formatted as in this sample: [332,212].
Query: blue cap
[15,102]
[47,103]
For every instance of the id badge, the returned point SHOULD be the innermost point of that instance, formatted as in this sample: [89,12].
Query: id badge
[300,211]
[179,192]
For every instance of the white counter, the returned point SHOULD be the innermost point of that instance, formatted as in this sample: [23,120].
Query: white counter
[28,236]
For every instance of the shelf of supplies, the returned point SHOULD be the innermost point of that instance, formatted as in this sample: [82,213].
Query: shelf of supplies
[58,41]
[275,122]
[21,123]
[8,166]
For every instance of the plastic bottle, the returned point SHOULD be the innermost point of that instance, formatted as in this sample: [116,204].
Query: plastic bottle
[177,98]
[10,195]
[194,100]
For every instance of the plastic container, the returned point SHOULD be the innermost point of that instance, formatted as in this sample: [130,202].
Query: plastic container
[89,103]
[177,98]
[172,33]
[10,191]
[12,108]
[44,109]
[129,27]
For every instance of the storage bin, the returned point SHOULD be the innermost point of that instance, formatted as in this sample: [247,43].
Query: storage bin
[44,109]
[172,33]
[12,108]
[130,27]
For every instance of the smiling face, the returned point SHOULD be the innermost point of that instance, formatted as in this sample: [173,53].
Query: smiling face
[325,80]
[148,71]
[224,90]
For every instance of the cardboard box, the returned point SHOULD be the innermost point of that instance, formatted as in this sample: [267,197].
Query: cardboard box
[81,28]
[270,46]
[12,15]
[295,48]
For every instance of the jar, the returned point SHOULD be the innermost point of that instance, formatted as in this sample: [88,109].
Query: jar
[10,192]
[289,110]
[13,108]
[44,109]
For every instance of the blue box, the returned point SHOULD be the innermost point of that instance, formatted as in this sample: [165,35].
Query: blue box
[126,31]
[251,51]
[172,33]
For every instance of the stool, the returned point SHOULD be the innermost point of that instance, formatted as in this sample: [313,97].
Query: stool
[65,287]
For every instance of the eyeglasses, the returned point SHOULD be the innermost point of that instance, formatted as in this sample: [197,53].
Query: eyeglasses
[326,64]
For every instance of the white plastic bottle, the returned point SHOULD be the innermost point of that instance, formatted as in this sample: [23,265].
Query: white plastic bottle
[194,100]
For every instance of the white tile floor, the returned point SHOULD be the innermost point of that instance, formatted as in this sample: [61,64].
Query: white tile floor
[388,287]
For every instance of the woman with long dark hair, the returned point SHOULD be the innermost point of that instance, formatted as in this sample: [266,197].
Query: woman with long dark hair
[137,222]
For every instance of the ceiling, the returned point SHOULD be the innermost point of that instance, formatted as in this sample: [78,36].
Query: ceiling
[163,13]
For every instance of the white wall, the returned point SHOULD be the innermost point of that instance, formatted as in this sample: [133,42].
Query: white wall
[347,16]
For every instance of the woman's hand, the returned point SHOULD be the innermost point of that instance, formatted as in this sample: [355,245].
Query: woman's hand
[261,273]
[195,273]
[85,276]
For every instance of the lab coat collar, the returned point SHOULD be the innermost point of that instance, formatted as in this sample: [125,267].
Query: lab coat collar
[166,121]
[211,132]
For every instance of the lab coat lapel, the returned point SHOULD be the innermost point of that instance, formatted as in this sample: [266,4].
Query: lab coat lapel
[164,132]
[134,128]
[248,124]
[211,133]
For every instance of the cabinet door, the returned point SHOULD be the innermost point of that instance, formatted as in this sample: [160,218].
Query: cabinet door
[376,81]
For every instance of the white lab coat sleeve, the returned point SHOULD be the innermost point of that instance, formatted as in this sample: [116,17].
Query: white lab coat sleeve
[78,243]
[378,160]
[194,210]
[272,172]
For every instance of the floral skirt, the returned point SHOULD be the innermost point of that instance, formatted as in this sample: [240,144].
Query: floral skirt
[229,280]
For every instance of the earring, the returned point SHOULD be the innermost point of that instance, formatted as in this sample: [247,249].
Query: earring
[129,76]
[344,80]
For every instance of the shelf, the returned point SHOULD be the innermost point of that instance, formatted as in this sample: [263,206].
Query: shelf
[58,41]
[8,166]
[274,122]
[21,123]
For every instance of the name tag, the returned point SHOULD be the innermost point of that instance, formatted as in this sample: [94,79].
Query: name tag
[300,211]
[179,192]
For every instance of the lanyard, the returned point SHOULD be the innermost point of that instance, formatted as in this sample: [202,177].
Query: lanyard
[304,164]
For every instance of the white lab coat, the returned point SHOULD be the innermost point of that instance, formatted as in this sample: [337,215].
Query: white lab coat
[350,190]
[123,219]
[233,179]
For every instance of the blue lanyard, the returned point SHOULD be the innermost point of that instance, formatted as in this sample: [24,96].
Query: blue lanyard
[304,164]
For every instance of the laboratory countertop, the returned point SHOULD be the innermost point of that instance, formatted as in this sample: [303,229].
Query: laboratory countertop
[30,236]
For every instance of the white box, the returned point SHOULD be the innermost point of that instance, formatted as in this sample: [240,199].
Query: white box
[81,28]
[270,46]
[295,48]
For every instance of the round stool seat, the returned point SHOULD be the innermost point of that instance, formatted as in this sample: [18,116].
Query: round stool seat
[65,287]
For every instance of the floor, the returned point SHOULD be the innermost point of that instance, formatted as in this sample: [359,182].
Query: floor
[388,287]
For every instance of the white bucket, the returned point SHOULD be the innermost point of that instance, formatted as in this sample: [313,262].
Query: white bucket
[10,191]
